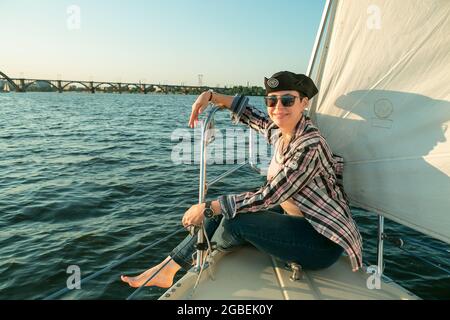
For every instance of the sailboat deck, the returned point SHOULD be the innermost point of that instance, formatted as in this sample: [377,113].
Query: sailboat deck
[248,274]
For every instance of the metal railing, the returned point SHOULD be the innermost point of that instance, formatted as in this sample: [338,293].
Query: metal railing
[207,137]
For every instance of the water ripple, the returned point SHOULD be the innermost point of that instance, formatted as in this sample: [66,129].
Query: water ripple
[87,179]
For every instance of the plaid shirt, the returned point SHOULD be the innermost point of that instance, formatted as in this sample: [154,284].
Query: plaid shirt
[310,175]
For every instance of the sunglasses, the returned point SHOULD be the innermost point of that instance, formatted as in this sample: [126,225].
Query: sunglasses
[287,100]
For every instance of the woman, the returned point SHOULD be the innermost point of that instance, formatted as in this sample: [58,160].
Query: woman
[303,178]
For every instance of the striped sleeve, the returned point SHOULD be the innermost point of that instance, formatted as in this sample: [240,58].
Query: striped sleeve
[298,172]
[243,112]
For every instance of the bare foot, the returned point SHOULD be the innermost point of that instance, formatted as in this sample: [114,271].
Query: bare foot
[164,279]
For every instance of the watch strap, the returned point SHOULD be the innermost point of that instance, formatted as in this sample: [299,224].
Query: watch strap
[208,208]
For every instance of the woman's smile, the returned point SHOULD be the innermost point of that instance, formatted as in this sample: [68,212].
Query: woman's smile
[280,115]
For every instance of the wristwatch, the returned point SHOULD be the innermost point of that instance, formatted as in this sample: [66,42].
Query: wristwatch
[208,212]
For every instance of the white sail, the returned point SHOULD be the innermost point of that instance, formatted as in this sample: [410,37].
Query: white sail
[384,105]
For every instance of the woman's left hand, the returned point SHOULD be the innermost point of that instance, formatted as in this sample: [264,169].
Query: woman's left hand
[194,216]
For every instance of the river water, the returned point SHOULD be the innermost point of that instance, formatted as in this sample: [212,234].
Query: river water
[89,179]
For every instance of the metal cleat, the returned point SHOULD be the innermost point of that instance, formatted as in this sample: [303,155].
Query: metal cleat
[297,272]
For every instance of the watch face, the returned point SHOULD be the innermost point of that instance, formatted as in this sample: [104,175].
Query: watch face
[208,213]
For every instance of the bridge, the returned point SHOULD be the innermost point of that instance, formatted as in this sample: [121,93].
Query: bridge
[22,85]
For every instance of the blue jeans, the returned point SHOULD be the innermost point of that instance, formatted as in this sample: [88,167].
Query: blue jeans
[288,238]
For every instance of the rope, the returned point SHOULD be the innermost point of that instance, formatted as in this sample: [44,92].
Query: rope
[113,265]
[399,243]
[131,296]
[425,261]
[443,250]
[208,252]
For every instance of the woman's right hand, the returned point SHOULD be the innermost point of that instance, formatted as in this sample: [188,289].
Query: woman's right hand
[198,107]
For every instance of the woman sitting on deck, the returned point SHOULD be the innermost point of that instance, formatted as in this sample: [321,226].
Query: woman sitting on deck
[315,226]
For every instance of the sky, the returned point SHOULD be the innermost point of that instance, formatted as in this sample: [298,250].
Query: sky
[229,42]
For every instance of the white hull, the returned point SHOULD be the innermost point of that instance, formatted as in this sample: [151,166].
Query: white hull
[248,274]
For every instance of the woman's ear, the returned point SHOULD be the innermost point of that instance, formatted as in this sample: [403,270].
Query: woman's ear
[306,101]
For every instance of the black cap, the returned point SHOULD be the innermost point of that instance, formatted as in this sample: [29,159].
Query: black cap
[286,80]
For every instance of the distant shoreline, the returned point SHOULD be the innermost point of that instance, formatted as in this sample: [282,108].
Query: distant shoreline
[248,91]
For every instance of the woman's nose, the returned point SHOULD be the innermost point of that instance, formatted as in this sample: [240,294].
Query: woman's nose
[279,105]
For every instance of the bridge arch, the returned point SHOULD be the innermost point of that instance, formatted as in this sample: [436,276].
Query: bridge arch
[73,82]
[136,85]
[34,81]
[9,80]
[108,83]
[129,85]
